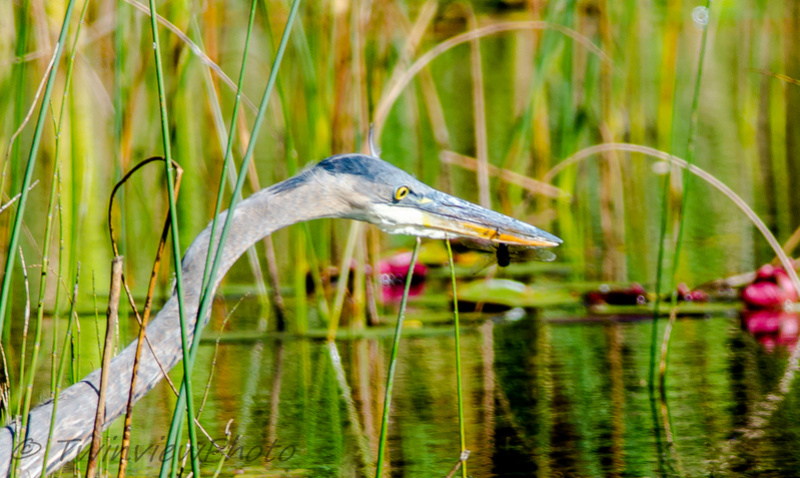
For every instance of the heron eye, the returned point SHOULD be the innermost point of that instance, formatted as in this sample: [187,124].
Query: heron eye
[401,192]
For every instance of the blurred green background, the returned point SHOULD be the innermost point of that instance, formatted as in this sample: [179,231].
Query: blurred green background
[540,83]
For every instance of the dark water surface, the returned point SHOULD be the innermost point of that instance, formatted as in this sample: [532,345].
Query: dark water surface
[543,398]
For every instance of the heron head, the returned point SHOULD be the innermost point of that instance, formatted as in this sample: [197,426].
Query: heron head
[374,191]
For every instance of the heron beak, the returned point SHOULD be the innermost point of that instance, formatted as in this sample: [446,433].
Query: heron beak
[461,218]
[441,215]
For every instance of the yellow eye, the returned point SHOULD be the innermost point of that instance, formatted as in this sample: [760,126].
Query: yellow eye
[401,192]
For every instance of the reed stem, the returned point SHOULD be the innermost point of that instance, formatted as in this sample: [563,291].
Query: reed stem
[459,383]
[387,402]
[685,191]
[176,248]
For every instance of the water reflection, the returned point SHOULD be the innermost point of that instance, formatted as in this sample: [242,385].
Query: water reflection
[773,328]
[543,398]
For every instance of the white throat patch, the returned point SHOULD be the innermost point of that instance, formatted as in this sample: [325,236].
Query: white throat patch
[402,220]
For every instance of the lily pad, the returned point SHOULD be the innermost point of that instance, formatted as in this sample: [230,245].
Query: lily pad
[513,293]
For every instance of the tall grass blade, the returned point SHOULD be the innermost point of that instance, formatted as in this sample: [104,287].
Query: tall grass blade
[662,233]
[229,170]
[56,306]
[683,200]
[176,247]
[684,193]
[26,316]
[227,161]
[45,267]
[20,74]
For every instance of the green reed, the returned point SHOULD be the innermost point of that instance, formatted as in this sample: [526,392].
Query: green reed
[398,331]
[53,200]
[176,248]
[457,335]
[57,301]
[681,212]
[20,79]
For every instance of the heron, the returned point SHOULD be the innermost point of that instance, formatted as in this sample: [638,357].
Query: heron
[355,186]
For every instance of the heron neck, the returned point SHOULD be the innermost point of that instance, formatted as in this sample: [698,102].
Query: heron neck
[294,200]
[254,218]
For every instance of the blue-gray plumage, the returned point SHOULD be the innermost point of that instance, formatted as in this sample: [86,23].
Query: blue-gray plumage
[352,186]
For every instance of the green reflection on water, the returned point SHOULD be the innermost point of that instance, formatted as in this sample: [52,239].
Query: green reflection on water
[543,398]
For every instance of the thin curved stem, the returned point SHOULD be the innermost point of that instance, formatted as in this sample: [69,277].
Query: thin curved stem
[62,366]
[770,404]
[702,174]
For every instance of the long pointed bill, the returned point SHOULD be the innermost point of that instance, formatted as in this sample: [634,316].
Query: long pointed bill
[440,215]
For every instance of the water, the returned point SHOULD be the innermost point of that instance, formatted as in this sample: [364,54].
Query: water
[553,397]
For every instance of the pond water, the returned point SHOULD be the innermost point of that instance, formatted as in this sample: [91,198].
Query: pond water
[545,396]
